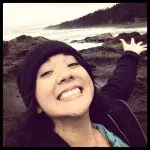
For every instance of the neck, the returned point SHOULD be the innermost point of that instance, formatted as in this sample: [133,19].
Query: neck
[76,131]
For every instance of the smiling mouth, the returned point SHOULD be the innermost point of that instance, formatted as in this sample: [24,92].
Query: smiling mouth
[70,93]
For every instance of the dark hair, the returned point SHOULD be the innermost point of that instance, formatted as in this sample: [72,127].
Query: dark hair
[28,129]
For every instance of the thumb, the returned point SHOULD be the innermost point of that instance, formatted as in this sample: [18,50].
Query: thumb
[123,41]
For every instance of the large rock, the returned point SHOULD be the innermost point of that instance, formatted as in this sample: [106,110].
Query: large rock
[96,39]
[14,51]
[5,48]
[23,43]
[99,38]
[127,36]
[116,43]
[77,41]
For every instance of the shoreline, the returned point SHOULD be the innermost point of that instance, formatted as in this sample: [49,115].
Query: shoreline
[127,25]
[117,26]
[131,25]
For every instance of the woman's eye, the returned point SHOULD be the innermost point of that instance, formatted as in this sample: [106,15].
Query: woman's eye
[46,73]
[73,64]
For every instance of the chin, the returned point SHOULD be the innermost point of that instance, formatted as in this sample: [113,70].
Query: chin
[79,112]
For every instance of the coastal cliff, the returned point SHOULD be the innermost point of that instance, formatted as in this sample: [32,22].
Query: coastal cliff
[120,14]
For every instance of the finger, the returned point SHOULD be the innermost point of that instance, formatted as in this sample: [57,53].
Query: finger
[123,41]
[139,43]
[144,45]
[144,49]
[132,41]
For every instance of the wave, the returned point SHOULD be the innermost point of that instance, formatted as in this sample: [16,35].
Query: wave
[67,35]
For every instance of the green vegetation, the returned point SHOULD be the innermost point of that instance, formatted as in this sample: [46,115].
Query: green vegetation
[118,14]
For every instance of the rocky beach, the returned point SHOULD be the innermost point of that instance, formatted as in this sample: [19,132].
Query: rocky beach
[104,58]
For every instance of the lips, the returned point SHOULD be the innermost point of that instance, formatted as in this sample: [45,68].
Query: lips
[67,90]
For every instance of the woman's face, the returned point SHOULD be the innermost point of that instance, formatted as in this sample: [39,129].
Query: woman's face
[63,87]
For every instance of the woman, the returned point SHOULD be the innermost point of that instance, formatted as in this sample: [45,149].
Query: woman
[64,107]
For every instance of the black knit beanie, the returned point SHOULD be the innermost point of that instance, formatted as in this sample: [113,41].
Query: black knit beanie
[26,77]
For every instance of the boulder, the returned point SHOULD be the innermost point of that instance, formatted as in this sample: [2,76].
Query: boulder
[96,39]
[77,41]
[116,43]
[23,42]
[99,38]
[15,51]
[127,36]
[5,48]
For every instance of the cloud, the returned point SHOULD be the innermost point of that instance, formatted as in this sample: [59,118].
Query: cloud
[44,14]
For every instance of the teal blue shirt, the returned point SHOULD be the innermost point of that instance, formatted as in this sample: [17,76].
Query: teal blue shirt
[113,140]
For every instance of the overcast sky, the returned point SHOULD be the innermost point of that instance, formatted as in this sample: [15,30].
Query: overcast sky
[39,15]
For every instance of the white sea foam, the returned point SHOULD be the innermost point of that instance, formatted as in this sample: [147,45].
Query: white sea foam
[67,35]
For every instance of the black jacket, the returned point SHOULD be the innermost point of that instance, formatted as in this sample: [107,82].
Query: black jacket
[119,119]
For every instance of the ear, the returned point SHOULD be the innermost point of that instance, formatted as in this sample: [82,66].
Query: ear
[38,110]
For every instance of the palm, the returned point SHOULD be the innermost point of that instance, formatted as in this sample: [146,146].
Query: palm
[137,48]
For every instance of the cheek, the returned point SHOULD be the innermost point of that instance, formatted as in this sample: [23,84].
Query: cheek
[87,81]
[44,89]
[90,86]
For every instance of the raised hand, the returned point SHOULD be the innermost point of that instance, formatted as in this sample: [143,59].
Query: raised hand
[137,48]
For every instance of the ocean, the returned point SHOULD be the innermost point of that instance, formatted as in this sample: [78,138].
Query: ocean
[67,35]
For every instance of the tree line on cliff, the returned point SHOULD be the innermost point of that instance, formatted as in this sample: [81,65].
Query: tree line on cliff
[118,14]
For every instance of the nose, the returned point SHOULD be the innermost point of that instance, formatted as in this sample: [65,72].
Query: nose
[64,76]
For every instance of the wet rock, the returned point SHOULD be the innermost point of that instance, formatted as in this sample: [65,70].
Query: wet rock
[23,43]
[99,38]
[127,36]
[15,51]
[116,43]
[96,39]
[5,48]
[77,41]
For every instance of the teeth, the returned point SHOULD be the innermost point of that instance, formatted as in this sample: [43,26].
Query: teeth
[70,93]
[74,91]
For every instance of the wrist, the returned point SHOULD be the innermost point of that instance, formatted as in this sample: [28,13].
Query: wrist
[131,53]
